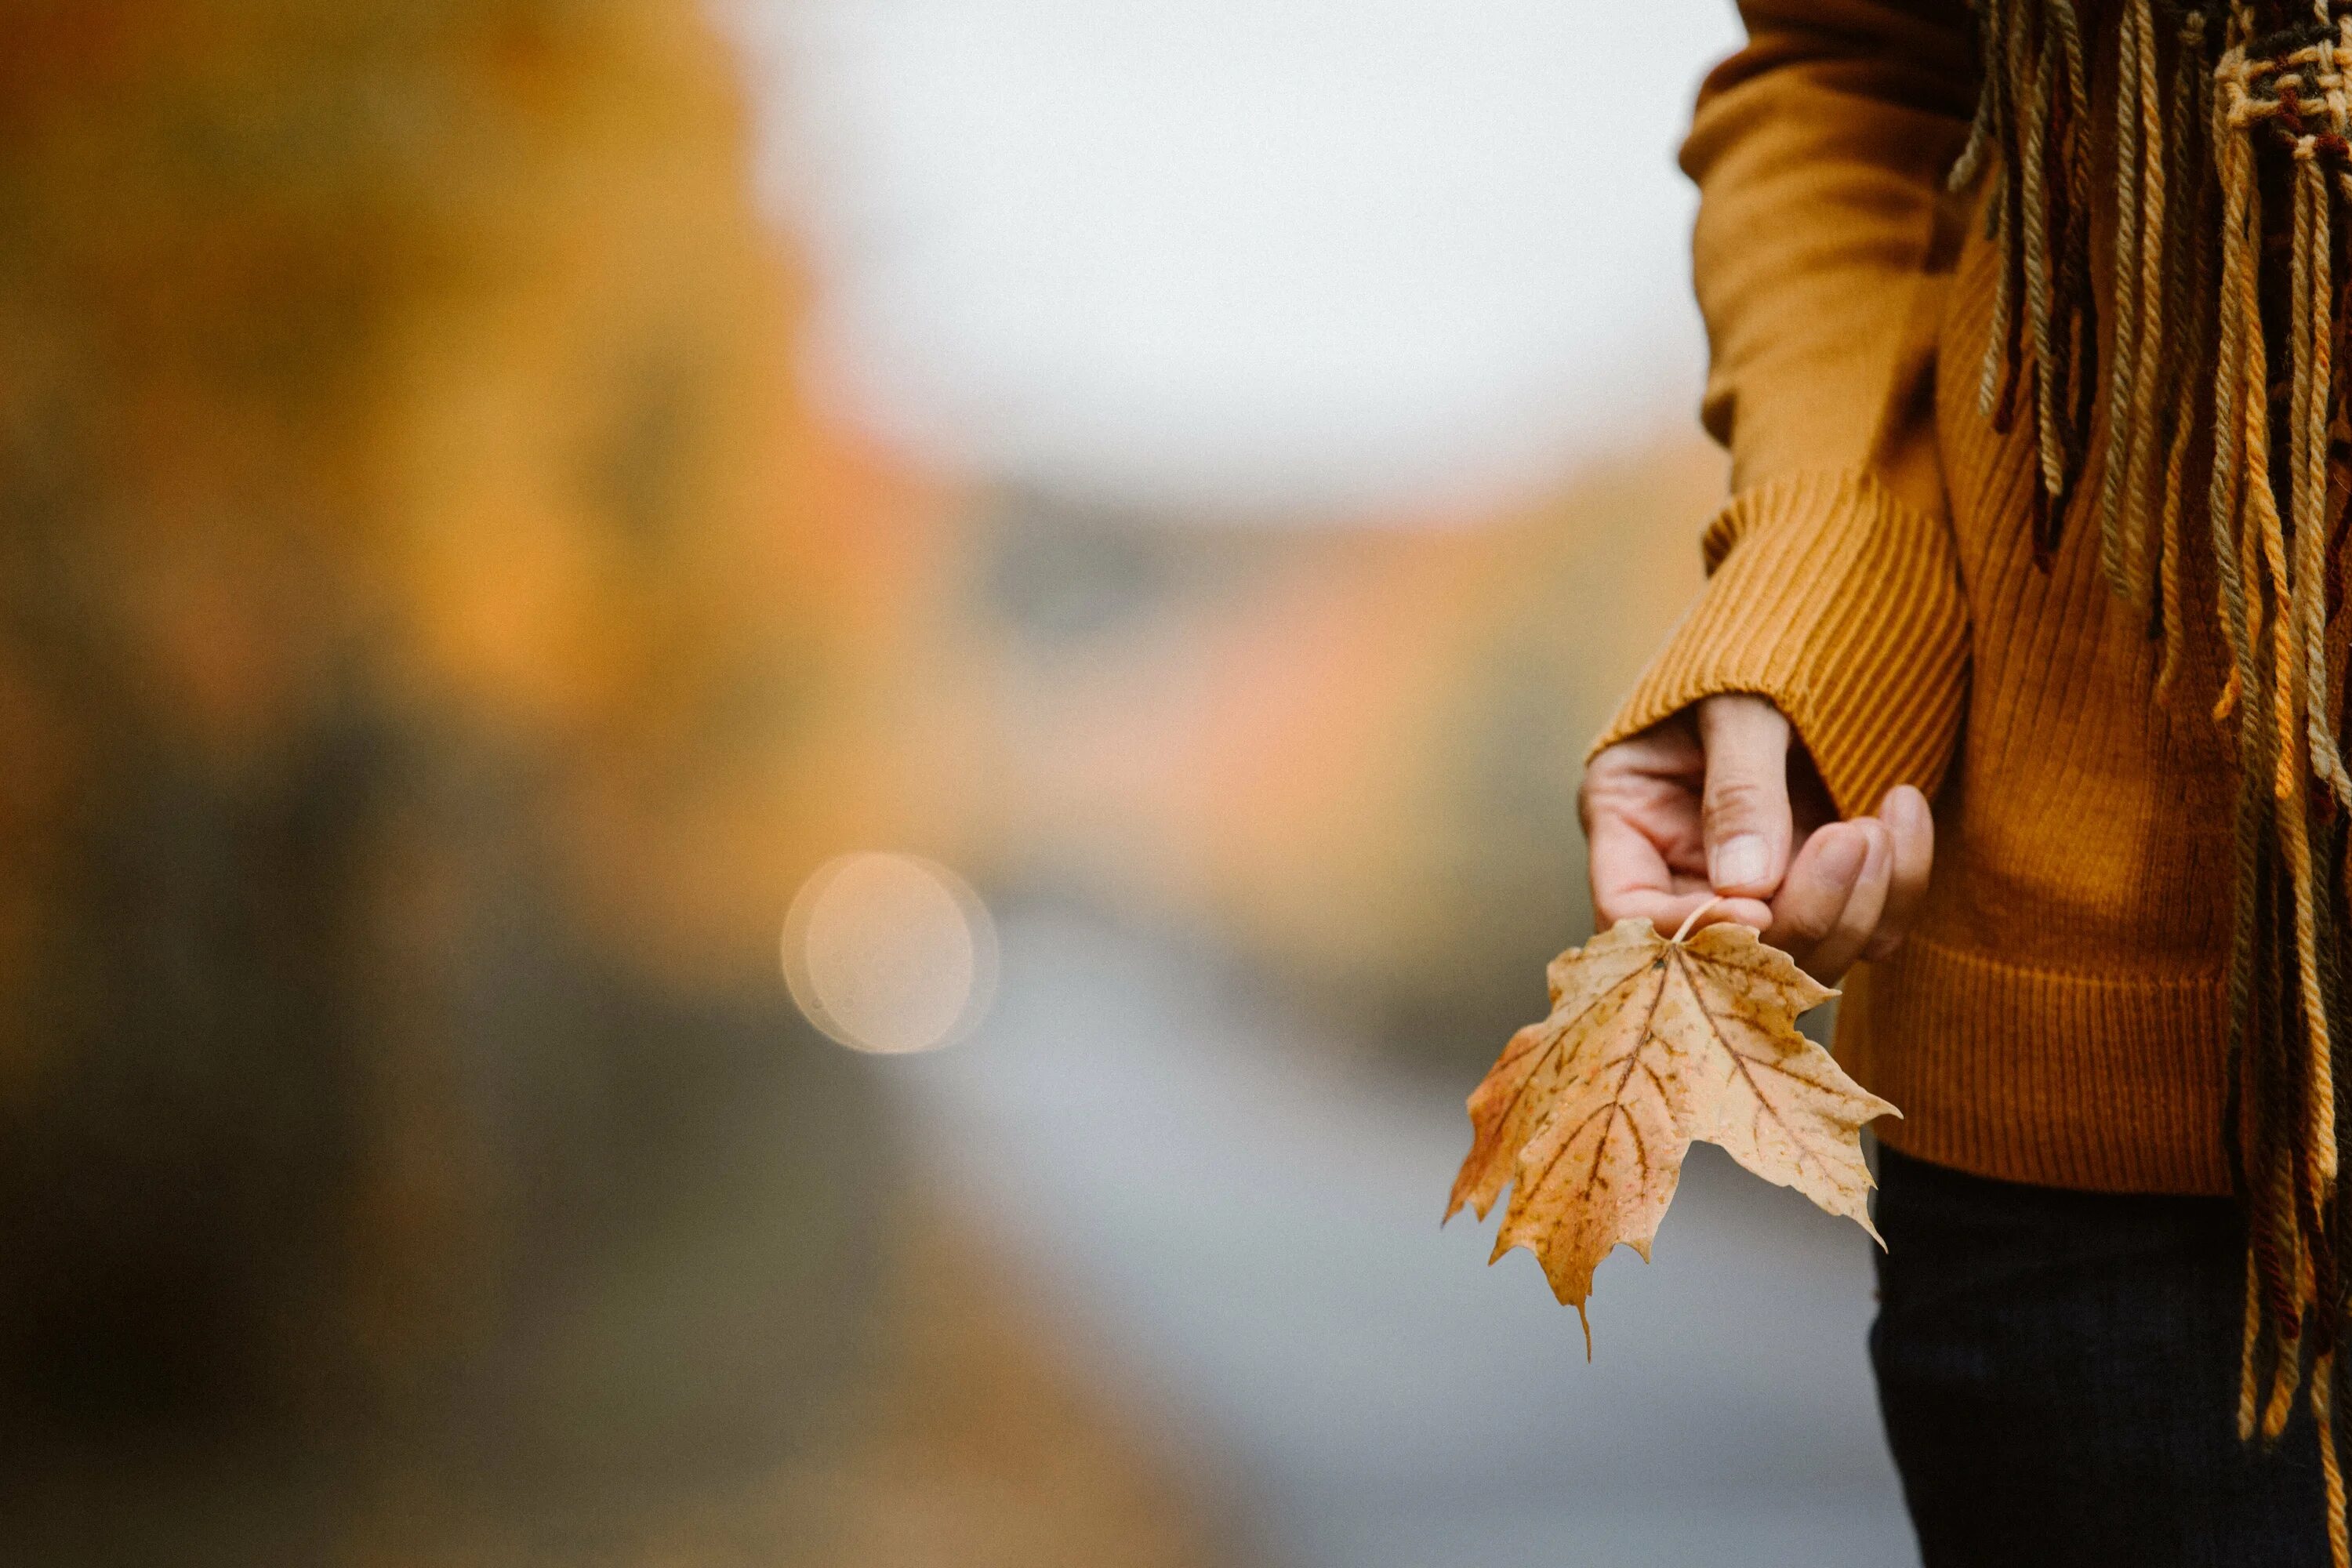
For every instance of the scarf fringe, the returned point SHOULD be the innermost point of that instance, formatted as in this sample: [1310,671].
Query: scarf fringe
[2232,187]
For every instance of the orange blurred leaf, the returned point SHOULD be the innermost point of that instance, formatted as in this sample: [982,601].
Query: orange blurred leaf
[1652,1043]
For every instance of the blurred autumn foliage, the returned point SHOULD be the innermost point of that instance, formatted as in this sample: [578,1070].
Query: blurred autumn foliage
[435,635]
[431,356]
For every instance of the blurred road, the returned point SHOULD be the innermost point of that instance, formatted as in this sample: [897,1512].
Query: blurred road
[1235,1224]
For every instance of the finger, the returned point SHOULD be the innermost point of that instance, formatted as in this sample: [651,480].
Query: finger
[1813,895]
[1633,880]
[1667,911]
[1714,909]
[1744,813]
[1858,921]
[1913,826]
[1626,866]
[1665,758]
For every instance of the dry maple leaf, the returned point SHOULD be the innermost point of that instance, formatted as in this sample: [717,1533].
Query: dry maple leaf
[1654,1042]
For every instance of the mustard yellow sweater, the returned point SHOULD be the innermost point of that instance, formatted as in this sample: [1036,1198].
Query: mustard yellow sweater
[2058,1014]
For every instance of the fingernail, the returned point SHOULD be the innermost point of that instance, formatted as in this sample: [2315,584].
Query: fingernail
[1738,862]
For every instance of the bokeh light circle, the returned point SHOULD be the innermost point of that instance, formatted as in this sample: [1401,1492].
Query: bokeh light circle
[889,953]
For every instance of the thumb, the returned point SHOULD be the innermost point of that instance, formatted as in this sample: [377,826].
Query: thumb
[1744,813]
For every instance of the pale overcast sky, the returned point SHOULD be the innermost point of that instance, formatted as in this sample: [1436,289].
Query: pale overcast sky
[1289,255]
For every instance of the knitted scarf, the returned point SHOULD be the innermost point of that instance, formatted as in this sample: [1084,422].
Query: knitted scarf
[2231,189]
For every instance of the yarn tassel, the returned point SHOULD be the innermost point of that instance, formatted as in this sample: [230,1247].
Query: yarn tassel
[2140,542]
[2186,298]
[2140,239]
[2042,339]
[2331,1466]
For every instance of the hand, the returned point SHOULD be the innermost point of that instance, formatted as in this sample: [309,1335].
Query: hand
[1713,804]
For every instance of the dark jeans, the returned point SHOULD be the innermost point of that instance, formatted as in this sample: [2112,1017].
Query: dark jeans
[2059,1375]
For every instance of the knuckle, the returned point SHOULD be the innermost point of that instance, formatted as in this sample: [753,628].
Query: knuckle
[1729,784]
[1603,784]
[1806,925]
[1735,798]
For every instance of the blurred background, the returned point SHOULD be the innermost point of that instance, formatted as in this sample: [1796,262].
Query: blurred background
[769,768]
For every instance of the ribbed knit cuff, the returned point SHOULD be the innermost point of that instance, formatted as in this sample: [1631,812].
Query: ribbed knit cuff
[1843,606]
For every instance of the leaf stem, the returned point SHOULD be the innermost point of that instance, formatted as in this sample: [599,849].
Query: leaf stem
[1694,917]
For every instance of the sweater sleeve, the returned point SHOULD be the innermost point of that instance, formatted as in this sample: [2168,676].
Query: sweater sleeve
[1821,254]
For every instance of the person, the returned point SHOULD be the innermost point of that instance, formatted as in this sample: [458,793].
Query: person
[2016,690]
